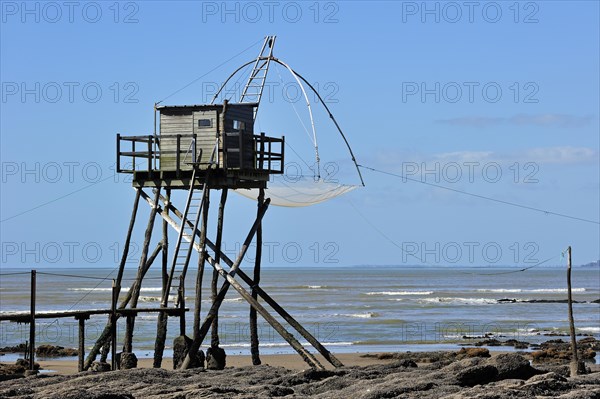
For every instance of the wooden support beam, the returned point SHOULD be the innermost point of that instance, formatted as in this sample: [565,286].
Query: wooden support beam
[162,321]
[104,337]
[214,336]
[254,350]
[113,323]
[81,351]
[305,333]
[201,261]
[199,337]
[137,284]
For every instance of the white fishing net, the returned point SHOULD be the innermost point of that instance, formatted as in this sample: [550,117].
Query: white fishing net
[301,193]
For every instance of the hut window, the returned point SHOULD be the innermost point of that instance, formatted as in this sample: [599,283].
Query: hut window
[204,123]
[238,125]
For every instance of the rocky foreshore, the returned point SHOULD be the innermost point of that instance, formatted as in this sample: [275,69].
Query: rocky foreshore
[468,373]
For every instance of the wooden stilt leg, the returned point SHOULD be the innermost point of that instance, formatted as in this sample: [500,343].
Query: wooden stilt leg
[102,340]
[161,324]
[201,261]
[254,350]
[202,330]
[214,338]
[128,343]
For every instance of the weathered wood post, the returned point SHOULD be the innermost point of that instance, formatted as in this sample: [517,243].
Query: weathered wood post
[254,350]
[201,261]
[161,324]
[113,323]
[182,305]
[32,322]
[214,337]
[137,284]
[81,352]
[574,366]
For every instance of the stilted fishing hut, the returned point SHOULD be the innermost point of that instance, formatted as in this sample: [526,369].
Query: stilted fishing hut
[199,149]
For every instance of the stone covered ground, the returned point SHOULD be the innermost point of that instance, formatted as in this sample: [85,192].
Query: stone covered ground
[469,373]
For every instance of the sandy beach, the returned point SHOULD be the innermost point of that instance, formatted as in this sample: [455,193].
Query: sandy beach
[288,361]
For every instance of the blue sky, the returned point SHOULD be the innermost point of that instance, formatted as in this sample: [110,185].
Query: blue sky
[498,99]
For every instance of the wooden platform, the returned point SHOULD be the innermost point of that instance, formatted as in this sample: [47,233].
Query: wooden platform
[219,179]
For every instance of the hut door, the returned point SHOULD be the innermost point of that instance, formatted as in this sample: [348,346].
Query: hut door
[205,128]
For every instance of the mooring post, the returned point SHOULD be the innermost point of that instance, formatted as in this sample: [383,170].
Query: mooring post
[81,352]
[32,323]
[254,350]
[113,323]
[214,336]
[574,361]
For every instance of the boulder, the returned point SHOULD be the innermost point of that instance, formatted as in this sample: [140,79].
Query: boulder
[513,366]
[215,358]
[128,360]
[100,367]
[181,347]
[472,352]
[55,351]
[476,375]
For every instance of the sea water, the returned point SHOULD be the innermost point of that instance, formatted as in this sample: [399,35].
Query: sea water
[348,309]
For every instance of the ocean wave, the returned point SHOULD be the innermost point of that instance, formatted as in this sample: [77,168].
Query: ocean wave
[143,298]
[500,290]
[594,330]
[558,290]
[310,287]
[143,289]
[518,290]
[233,300]
[461,301]
[393,293]
[366,315]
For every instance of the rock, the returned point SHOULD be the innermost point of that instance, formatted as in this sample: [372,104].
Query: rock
[546,383]
[215,358]
[476,375]
[472,352]
[100,367]
[181,346]
[516,344]
[55,351]
[489,342]
[29,373]
[513,366]
[127,361]
[25,364]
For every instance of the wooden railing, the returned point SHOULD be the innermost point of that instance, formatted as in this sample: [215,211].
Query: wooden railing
[253,153]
